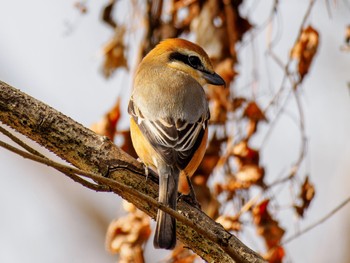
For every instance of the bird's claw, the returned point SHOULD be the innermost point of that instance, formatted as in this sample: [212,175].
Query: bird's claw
[191,197]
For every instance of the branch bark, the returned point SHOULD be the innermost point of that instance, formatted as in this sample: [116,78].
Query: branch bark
[118,171]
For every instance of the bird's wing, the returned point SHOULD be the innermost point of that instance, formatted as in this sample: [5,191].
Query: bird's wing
[190,137]
[175,140]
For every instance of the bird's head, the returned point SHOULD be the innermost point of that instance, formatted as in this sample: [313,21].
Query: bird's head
[187,57]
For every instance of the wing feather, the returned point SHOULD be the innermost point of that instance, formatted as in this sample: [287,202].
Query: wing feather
[174,140]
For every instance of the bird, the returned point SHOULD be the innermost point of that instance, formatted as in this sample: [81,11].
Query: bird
[169,115]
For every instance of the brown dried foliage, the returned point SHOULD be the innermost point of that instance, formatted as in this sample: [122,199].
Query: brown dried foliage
[107,126]
[269,229]
[306,195]
[81,7]
[347,35]
[227,157]
[126,235]
[305,50]
[346,46]
[181,254]
[114,53]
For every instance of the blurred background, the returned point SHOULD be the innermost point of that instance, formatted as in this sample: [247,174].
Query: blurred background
[53,51]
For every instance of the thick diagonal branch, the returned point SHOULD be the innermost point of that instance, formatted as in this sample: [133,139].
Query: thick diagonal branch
[96,154]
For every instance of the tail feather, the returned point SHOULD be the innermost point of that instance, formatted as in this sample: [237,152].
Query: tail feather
[165,234]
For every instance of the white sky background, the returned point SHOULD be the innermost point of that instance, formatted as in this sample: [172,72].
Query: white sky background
[46,217]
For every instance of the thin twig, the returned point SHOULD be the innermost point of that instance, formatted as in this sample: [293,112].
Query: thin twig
[68,171]
[248,205]
[275,119]
[328,6]
[295,84]
[257,30]
[304,140]
[320,221]
[20,142]
[286,67]
[279,181]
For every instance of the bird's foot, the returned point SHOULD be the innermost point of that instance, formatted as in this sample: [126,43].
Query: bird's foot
[191,197]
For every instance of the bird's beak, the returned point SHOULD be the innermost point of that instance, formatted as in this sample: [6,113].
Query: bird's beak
[213,78]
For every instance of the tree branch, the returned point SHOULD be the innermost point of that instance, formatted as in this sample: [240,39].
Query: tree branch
[98,158]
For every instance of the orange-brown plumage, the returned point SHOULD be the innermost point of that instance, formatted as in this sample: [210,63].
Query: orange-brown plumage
[169,119]
[178,44]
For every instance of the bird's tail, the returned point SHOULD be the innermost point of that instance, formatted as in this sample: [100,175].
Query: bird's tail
[165,235]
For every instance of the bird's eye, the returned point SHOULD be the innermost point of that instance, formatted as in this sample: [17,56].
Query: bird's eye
[195,62]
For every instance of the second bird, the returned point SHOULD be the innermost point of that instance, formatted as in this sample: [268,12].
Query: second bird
[169,120]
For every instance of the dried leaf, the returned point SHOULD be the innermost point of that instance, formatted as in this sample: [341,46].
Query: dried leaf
[253,112]
[230,223]
[192,8]
[307,194]
[267,227]
[252,128]
[236,25]
[219,97]
[127,145]
[218,111]
[251,174]
[81,6]
[107,14]
[230,187]
[211,157]
[347,35]
[245,154]
[226,71]
[305,50]
[275,255]
[346,46]
[213,41]
[238,103]
[113,53]
[107,126]
[127,235]
[182,255]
